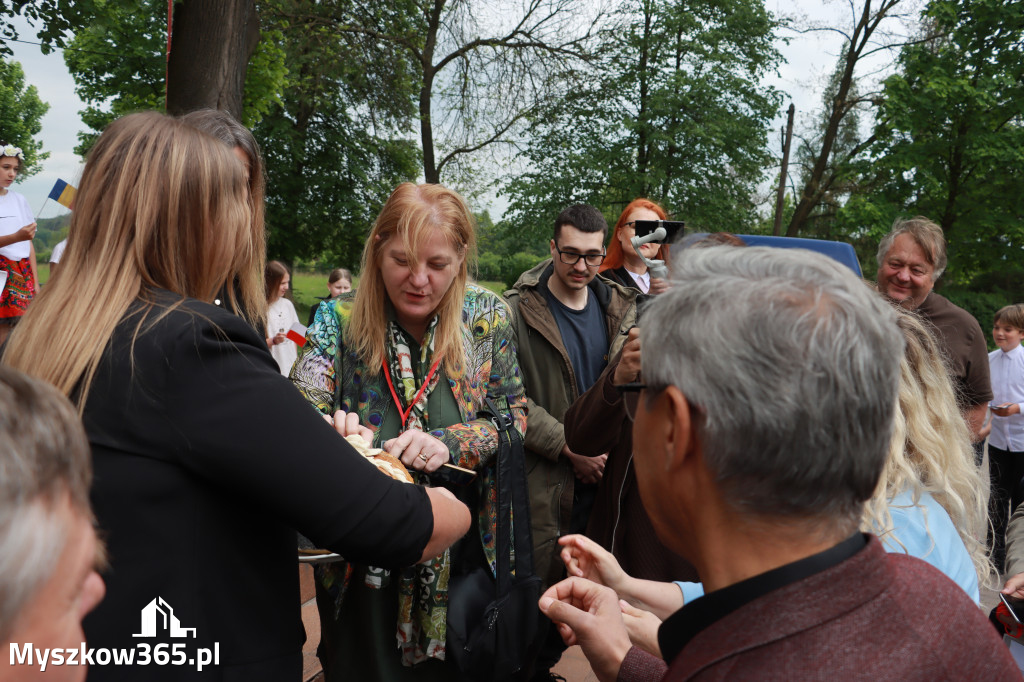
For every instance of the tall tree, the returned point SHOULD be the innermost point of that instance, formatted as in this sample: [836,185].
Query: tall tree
[865,38]
[950,136]
[21,113]
[837,178]
[479,67]
[675,109]
[212,42]
[332,145]
[118,55]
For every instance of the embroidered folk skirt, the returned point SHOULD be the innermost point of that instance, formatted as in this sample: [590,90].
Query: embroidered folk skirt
[19,288]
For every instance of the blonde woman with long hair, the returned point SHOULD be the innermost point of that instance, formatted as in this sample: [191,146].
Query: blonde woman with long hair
[413,352]
[206,460]
[931,492]
[929,502]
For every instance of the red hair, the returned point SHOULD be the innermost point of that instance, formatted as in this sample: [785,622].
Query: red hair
[615,257]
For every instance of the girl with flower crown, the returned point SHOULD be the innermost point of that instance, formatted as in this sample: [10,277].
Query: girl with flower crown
[17,254]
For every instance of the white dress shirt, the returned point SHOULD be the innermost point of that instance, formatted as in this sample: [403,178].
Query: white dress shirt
[643,281]
[1007,371]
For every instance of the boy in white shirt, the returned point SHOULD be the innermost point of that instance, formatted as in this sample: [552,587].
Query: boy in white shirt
[1006,442]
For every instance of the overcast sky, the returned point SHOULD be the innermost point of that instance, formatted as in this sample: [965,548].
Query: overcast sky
[809,58]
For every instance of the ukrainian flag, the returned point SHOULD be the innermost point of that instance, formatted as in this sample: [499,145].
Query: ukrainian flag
[63,193]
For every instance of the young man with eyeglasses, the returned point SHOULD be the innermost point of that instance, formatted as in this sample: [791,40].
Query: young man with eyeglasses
[568,323]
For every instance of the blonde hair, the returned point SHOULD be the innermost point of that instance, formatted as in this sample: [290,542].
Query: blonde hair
[411,214]
[159,205]
[931,451]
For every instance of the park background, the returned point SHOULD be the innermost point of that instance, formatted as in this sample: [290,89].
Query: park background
[904,107]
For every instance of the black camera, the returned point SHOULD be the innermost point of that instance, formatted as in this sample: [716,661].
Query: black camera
[673,228]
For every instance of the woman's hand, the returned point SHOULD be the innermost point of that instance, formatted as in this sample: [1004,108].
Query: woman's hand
[642,627]
[418,450]
[347,424]
[658,286]
[586,559]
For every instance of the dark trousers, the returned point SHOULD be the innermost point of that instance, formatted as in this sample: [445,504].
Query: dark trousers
[1006,470]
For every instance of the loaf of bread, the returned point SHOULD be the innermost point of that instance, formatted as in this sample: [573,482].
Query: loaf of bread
[380,459]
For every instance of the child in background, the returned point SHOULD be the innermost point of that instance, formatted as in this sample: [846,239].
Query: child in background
[338,283]
[280,316]
[17,254]
[1006,442]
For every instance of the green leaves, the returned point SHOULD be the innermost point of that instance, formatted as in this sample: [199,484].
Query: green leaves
[674,109]
[21,112]
[950,134]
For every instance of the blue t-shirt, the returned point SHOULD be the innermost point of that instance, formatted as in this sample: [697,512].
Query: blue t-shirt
[584,336]
[924,531]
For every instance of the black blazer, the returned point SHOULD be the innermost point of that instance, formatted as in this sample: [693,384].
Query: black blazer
[620,275]
[206,459]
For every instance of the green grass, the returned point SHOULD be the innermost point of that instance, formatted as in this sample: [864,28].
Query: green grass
[308,287]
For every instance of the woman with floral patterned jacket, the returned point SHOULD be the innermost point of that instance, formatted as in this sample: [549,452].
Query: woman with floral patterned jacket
[413,352]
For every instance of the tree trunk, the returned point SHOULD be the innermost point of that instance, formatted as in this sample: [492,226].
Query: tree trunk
[211,43]
[859,41]
[431,173]
[780,198]
[643,151]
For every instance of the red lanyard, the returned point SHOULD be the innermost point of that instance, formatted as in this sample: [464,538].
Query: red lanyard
[398,403]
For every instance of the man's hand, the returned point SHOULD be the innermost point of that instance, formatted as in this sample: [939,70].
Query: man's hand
[628,369]
[584,558]
[588,614]
[587,469]
[975,416]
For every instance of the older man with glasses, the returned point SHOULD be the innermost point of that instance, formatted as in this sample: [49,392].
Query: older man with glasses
[568,323]
[758,437]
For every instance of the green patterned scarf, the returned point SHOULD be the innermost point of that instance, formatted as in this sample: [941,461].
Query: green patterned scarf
[423,588]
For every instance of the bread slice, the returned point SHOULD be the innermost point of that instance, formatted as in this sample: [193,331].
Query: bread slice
[380,459]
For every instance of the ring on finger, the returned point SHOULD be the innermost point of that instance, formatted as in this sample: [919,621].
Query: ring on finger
[423,457]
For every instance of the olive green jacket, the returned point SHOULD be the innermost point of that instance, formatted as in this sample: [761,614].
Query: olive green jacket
[550,384]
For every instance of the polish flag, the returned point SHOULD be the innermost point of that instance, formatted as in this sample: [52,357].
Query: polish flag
[297,333]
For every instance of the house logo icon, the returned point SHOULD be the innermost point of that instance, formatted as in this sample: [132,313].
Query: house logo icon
[158,615]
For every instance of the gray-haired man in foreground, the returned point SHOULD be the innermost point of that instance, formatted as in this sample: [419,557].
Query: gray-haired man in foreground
[761,430]
[48,548]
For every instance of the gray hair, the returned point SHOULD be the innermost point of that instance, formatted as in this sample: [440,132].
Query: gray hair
[44,466]
[794,365]
[926,233]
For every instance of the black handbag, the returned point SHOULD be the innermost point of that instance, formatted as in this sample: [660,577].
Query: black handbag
[495,627]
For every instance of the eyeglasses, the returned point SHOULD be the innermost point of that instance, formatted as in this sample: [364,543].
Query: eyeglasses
[572,258]
[630,397]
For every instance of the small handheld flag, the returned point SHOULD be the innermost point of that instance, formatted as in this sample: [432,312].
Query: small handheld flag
[297,333]
[63,194]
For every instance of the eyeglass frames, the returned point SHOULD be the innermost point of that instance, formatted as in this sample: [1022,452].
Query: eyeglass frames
[592,260]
